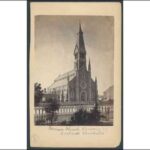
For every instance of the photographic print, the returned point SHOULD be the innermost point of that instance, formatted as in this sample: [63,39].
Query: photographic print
[78,96]
[75,74]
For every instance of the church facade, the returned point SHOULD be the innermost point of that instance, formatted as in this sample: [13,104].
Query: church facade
[76,85]
[74,89]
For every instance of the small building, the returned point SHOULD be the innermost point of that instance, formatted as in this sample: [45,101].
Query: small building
[109,93]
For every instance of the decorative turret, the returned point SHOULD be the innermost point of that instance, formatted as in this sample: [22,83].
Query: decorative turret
[89,80]
[89,67]
[96,81]
[68,89]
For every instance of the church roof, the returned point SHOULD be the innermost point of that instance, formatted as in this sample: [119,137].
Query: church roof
[62,79]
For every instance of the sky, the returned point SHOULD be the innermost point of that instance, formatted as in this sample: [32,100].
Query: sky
[55,39]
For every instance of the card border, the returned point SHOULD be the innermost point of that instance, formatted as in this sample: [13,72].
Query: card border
[120,146]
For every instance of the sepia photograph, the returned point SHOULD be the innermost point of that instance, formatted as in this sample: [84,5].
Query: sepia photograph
[84,94]
[75,74]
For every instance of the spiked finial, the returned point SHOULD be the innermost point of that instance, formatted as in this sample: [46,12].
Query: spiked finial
[96,80]
[89,66]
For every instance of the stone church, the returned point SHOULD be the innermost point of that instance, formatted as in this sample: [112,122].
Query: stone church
[74,89]
[77,85]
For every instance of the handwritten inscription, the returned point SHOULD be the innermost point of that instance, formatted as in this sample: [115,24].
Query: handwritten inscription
[70,130]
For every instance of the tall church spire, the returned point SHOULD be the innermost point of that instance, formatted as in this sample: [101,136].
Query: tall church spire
[80,46]
[79,51]
[80,29]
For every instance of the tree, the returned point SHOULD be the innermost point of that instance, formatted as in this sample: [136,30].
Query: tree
[51,107]
[82,117]
[95,115]
[38,93]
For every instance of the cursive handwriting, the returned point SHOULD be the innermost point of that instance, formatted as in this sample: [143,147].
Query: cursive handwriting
[73,130]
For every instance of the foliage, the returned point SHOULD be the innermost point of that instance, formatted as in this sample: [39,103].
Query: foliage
[64,122]
[94,116]
[51,107]
[38,93]
[82,117]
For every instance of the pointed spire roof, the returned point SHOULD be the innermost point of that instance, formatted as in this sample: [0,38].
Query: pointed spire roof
[80,47]
[89,66]
[96,80]
[80,29]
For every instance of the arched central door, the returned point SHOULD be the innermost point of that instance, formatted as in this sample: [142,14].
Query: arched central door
[83,96]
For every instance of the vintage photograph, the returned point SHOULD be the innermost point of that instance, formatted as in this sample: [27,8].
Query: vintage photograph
[75,74]
[75,59]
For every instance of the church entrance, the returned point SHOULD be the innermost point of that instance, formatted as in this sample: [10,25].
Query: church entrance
[83,96]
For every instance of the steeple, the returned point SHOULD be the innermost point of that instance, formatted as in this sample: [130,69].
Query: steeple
[80,29]
[80,47]
[79,51]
